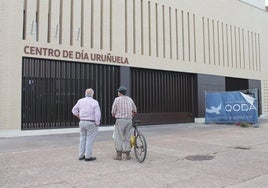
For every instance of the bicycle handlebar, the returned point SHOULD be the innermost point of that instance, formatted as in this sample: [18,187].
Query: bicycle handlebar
[136,123]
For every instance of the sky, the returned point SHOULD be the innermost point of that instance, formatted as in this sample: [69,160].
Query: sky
[258,3]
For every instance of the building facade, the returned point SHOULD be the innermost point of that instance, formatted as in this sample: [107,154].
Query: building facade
[167,53]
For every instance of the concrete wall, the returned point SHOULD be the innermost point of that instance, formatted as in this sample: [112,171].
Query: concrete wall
[213,37]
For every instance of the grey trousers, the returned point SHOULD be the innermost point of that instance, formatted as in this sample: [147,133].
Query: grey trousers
[88,133]
[122,134]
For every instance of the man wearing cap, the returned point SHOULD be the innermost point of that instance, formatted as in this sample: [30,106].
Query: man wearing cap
[123,109]
[88,111]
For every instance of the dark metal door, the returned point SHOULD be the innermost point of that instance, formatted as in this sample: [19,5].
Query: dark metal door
[50,88]
[161,93]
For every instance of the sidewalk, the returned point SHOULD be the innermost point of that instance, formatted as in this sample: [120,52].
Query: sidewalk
[236,157]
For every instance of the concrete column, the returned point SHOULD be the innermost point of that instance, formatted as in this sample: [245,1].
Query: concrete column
[125,79]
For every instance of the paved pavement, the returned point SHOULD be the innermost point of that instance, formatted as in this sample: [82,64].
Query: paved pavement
[237,158]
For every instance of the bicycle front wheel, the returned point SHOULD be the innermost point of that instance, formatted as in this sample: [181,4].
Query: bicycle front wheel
[140,148]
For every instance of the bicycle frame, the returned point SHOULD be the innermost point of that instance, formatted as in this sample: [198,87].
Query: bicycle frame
[139,143]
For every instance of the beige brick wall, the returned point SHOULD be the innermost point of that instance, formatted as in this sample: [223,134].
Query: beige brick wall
[3,68]
[10,63]
[227,38]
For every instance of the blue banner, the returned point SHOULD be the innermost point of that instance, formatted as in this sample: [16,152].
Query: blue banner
[231,107]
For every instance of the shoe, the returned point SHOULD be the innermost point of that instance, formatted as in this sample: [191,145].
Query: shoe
[118,155]
[90,159]
[81,158]
[128,155]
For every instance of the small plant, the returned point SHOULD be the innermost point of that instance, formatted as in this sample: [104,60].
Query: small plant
[244,124]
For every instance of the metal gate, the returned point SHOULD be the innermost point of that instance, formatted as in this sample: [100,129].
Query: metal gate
[161,93]
[50,88]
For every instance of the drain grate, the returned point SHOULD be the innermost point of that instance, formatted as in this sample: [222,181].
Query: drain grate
[199,157]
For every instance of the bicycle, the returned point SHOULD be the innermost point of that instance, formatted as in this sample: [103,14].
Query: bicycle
[138,142]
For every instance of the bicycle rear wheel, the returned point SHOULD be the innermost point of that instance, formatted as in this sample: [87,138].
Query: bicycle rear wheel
[140,148]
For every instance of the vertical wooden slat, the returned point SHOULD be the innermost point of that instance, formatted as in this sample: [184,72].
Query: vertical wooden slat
[50,89]
[161,91]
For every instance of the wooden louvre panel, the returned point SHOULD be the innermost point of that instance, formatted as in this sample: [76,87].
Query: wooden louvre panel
[50,88]
[163,96]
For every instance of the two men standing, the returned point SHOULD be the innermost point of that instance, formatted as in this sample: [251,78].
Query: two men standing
[88,111]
